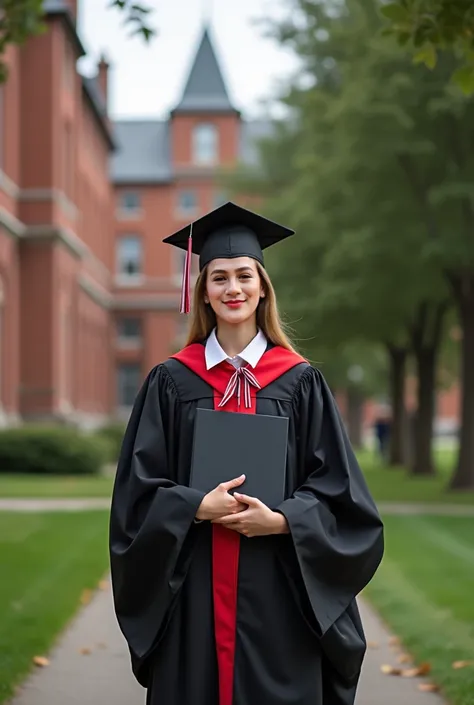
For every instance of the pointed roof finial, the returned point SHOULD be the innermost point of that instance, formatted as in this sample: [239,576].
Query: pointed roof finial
[205,89]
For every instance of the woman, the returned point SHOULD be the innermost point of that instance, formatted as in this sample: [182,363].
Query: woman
[222,600]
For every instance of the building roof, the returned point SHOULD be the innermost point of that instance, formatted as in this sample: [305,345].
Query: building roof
[54,5]
[93,91]
[143,154]
[61,8]
[90,86]
[205,89]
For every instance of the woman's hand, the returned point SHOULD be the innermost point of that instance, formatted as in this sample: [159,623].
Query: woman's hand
[219,502]
[256,520]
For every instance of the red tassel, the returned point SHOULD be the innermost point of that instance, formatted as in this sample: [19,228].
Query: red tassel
[186,285]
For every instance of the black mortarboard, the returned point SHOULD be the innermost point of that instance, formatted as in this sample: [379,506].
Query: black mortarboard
[229,231]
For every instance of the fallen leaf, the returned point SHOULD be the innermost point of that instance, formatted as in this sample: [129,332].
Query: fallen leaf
[373,645]
[404,658]
[85,651]
[462,664]
[40,661]
[428,687]
[394,641]
[104,585]
[410,672]
[417,671]
[86,597]
[390,670]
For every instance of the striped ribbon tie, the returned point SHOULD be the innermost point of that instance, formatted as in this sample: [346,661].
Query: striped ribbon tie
[241,375]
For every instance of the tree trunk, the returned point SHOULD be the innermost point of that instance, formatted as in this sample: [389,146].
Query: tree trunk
[422,463]
[355,416]
[463,477]
[426,335]
[398,361]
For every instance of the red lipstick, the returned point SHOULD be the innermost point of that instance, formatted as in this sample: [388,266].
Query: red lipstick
[234,304]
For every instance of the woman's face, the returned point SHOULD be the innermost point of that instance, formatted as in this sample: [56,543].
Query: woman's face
[233,289]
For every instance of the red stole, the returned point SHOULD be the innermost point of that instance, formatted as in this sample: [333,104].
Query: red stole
[225,542]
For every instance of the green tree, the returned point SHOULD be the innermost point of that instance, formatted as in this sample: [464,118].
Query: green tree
[21,19]
[429,27]
[410,137]
[377,186]
[333,277]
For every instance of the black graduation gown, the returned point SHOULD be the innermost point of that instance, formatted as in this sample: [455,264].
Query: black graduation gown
[299,636]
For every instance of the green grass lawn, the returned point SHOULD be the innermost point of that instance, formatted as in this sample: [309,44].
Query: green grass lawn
[50,486]
[396,485]
[425,589]
[46,561]
[386,484]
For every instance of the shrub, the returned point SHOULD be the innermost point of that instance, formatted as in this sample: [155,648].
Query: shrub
[50,450]
[112,435]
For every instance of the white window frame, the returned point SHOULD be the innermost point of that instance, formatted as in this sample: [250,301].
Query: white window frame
[120,386]
[128,278]
[205,144]
[129,213]
[130,342]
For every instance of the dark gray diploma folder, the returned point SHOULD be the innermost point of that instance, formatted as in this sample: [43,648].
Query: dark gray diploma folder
[227,445]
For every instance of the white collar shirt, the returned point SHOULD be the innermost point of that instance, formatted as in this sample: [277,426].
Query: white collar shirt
[250,356]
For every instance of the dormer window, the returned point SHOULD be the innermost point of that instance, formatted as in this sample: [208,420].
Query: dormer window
[205,144]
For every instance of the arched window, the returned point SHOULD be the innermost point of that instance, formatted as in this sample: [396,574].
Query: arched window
[205,144]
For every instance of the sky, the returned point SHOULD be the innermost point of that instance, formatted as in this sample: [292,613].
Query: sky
[146,80]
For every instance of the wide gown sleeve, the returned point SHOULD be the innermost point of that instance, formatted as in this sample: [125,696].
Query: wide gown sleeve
[335,527]
[151,521]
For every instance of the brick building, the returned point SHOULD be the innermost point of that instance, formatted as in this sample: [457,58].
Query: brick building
[56,231]
[88,293]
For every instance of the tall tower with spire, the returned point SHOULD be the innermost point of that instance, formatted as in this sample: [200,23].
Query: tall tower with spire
[205,117]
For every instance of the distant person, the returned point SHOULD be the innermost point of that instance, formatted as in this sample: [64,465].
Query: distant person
[223,600]
[382,429]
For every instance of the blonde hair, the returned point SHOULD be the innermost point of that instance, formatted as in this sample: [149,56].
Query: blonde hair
[203,318]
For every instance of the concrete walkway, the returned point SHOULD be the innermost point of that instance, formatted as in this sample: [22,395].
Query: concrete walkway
[405,508]
[53,505]
[81,504]
[101,673]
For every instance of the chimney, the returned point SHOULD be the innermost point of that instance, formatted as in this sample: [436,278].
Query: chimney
[103,77]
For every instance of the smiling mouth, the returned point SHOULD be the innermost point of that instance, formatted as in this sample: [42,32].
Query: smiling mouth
[234,303]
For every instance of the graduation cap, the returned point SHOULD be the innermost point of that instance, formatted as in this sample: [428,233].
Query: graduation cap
[229,231]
